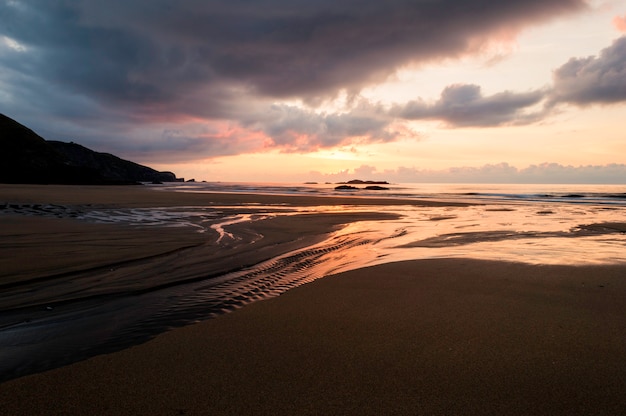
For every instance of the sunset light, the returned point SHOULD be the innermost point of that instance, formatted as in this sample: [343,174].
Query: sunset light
[316,207]
[286,92]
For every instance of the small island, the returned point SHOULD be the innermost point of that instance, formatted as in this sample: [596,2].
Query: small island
[360,182]
[371,185]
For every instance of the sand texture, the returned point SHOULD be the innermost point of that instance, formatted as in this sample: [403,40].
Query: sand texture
[432,337]
[46,260]
[426,337]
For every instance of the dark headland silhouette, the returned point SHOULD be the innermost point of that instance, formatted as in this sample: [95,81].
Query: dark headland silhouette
[25,157]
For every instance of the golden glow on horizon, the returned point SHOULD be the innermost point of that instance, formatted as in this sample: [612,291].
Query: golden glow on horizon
[518,63]
[571,139]
[340,154]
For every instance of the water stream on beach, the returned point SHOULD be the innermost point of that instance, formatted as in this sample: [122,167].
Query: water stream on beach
[541,225]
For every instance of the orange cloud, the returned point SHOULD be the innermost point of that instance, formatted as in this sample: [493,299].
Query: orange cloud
[620,23]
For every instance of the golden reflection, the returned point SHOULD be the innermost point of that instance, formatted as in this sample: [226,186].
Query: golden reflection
[560,234]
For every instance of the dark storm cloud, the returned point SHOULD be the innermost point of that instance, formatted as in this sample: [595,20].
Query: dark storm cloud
[301,48]
[593,80]
[142,61]
[464,105]
[146,50]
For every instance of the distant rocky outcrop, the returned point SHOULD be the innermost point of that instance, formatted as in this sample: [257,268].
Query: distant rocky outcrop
[361,182]
[372,185]
[367,188]
[25,157]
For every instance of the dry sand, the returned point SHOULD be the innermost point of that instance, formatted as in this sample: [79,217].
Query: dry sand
[436,337]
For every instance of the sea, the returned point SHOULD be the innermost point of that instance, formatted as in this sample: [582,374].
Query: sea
[534,223]
[529,223]
[543,193]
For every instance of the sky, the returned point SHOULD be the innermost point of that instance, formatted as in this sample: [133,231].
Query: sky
[526,91]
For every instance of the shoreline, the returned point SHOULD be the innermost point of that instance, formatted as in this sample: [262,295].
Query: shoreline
[150,259]
[78,266]
[434,336]
[136,196]
[88,251]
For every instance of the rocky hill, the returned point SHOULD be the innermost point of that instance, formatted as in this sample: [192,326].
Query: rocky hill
[109,166]
[28,158]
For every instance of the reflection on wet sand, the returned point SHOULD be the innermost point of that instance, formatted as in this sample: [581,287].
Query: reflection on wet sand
[241,253]
[570,235]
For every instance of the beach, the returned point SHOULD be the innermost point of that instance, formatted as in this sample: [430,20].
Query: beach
[394,335]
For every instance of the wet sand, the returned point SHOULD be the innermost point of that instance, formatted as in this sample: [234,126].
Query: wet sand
[143,196]
[448,336]
[50,260]
[426,337]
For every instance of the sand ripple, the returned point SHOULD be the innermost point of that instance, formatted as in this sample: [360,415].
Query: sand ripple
[38,338]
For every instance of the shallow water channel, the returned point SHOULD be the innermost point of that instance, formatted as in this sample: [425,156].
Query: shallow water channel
[36,339]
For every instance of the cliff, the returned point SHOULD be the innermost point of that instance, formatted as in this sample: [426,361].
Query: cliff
[26,157]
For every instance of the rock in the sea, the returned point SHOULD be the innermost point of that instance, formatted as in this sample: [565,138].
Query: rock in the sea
[361,182]
[346,188]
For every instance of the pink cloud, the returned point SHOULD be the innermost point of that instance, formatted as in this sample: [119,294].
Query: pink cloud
[620,23]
